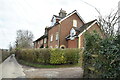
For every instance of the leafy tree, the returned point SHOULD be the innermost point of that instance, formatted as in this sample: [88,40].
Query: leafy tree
[101,56]
[24,39]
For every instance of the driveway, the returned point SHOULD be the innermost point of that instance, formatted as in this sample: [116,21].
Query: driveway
[73,72]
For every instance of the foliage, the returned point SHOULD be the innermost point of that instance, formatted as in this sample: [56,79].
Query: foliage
[36,65]
[101,57]
[72,55]
[4,54]
[32,55]
[49,56]
[57,56]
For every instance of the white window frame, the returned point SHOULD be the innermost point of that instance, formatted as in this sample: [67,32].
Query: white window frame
[51,38]
[57,36]
[74,23]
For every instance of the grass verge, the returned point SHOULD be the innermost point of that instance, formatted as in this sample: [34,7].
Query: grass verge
[48,66]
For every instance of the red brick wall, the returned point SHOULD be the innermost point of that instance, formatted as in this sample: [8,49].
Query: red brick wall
[53,32]
[38,43]
[66,26]
[73,43]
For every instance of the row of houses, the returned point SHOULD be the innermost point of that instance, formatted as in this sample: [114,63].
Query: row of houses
[66,31]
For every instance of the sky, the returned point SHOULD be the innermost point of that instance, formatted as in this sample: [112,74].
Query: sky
[35,15]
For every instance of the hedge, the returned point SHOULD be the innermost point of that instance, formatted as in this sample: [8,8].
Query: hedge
[101,57]
[49,56]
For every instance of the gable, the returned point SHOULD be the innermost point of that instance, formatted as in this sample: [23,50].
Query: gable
[92,27]
[74,12]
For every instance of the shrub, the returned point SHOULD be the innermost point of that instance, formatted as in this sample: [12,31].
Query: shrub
[49,56]
[57,56]
[42,56]
[101,57]
[72,55]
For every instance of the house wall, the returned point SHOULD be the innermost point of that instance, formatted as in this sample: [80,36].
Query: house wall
[53,32]
[73,43]
[66,26]
[38,43]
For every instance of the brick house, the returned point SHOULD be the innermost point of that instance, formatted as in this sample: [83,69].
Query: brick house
[66,31]
[76,37]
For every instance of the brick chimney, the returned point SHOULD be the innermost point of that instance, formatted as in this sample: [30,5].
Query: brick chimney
[62,13]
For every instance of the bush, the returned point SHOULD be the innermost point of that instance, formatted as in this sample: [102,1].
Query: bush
[57,56]
[42,56]
[72,55]
[4,54]
[101,57]
[49,56]
[32,55]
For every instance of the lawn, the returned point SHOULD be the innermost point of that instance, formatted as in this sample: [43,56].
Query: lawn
[48,66]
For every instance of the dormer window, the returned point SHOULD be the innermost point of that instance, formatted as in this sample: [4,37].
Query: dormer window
[53,21]
[74,23]
[72,34]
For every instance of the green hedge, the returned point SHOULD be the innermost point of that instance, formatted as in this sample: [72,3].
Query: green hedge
[49,56]
[101,57]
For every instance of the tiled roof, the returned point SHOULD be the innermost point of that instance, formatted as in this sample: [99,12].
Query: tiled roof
[84,27]
[44,36]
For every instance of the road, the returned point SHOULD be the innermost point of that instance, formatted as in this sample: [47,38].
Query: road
[11,68]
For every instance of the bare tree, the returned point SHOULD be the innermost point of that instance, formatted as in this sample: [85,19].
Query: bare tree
[24,39]
[109,23]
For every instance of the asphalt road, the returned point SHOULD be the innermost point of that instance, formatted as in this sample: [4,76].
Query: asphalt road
[11,68]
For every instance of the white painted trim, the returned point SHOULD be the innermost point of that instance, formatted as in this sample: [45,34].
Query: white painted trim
[87,28]
[71,15]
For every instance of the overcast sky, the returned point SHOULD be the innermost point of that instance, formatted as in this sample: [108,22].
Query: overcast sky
[35,15]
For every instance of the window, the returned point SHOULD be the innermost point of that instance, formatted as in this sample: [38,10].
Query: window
[51,38]
[72,34]
[74,23]
[45,40]
[53,21]
[57,36]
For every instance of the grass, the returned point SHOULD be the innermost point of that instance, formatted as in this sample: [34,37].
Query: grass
[48,66]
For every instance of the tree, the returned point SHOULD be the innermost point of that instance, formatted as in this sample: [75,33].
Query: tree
[109,23]
[24,39]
